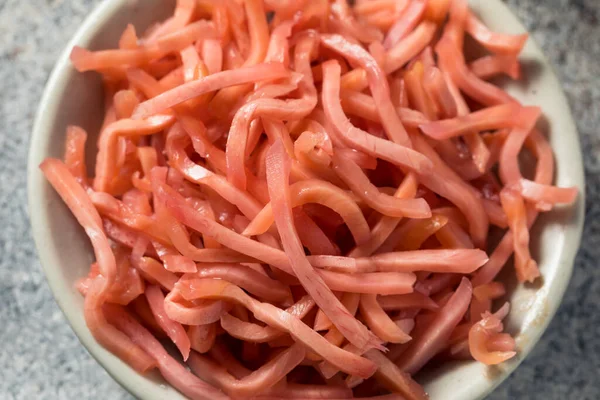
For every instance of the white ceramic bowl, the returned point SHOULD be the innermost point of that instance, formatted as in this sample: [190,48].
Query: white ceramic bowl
[65,253]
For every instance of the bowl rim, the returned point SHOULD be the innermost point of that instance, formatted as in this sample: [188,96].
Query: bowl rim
[60,76]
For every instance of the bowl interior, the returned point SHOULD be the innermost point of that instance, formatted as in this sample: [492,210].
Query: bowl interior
[72,98]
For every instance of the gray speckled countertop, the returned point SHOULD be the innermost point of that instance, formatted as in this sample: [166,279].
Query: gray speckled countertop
[40,357]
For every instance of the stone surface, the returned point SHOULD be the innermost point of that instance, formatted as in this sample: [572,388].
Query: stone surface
[40,357]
